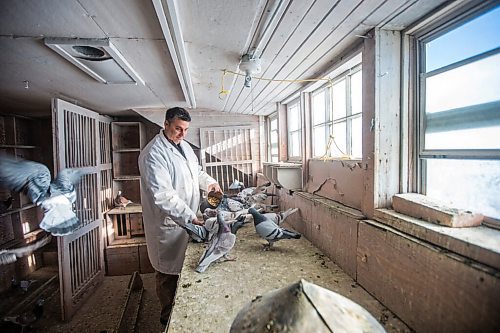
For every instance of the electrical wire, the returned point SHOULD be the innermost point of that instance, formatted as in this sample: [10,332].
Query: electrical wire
[225,71]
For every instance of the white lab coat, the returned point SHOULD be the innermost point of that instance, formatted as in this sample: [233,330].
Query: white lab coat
[170,197]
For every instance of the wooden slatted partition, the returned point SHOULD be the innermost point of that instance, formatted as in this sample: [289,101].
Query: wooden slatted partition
[77,144]
[227,154]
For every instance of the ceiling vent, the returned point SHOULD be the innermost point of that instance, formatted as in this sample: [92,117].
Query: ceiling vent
[98,58]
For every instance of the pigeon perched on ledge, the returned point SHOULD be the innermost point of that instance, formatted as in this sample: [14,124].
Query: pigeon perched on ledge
[56,197]
[121,201]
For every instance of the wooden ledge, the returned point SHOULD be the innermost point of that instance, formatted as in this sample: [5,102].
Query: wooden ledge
[351,212]
[482,244]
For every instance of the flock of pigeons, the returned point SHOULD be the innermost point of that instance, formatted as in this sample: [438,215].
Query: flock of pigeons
[58,196]
[223,222]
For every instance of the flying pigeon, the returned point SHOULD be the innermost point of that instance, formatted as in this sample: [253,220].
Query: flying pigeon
[56,197]
[11,255]
[269,230]
[121,201]
[219,246]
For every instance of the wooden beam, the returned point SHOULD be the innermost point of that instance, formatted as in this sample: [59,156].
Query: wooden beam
[427,209]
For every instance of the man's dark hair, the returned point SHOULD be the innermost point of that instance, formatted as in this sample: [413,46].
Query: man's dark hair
[177,112]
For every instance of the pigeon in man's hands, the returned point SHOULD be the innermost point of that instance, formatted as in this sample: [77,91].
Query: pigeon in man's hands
[56,197]
[219,246]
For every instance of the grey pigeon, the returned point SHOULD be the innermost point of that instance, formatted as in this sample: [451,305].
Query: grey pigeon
[56,197]
[121,201]
[219,246]
[198,233]
[236,185]
[269,230]
[280,217]
[9,256]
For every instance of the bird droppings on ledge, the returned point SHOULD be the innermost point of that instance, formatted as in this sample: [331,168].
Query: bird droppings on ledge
[214,298]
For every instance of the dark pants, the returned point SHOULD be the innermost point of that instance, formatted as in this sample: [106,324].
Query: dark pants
[166,285]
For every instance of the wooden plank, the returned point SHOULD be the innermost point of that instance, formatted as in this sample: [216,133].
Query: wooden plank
[144,263]
[130,310]
[481,244]
[407,275]
[427,209]
[122,259]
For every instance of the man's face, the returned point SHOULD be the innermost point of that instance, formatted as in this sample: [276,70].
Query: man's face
[176,129]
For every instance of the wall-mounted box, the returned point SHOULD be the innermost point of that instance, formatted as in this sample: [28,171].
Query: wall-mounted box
[286,175]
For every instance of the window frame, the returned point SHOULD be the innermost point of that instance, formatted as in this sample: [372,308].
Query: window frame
[417,153]
[296,102]
[270,154]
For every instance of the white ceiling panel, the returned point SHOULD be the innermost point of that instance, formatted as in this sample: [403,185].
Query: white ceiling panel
[307,38]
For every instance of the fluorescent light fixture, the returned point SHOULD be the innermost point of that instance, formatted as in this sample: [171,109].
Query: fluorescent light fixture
[98,58]
[170,25]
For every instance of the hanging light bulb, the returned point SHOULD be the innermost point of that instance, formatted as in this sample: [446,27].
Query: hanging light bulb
[250,66]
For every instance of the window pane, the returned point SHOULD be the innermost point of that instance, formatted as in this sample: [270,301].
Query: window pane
[295,141]
[274,150]
[356,93]
[357,137]
[274,158]
[338,98]
[274,125]
[472,138]
[318,108]
[471,84]
[319,141]
[338,147]
[473,38]
[467,184]
[274,137]
[293,118]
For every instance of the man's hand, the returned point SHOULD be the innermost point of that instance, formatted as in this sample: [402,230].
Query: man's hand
[214,187]
[197,222]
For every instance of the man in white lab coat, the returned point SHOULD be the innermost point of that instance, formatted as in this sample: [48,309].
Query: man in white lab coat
[171,179]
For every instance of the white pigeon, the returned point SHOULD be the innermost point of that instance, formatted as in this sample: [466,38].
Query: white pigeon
[121,201]
[56,197]
[219,246]
[269,230]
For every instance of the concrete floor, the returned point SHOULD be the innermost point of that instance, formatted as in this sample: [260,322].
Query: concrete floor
[208,302]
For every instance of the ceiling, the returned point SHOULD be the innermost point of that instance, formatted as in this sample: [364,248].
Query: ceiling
[304,39]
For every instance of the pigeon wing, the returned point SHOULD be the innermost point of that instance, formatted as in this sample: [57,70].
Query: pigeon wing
[30,177]
[269,230]
[66,180]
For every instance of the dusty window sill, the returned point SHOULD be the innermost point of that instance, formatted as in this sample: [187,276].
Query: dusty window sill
[481,244]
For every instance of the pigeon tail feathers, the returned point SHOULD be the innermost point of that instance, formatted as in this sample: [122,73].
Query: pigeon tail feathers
[59,218]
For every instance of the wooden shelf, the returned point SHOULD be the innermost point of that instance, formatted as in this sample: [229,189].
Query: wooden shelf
[17,210]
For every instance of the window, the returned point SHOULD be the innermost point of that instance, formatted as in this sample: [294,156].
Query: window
[321,120]
[336,112]
[273,139]
[459,112]
[294,130]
